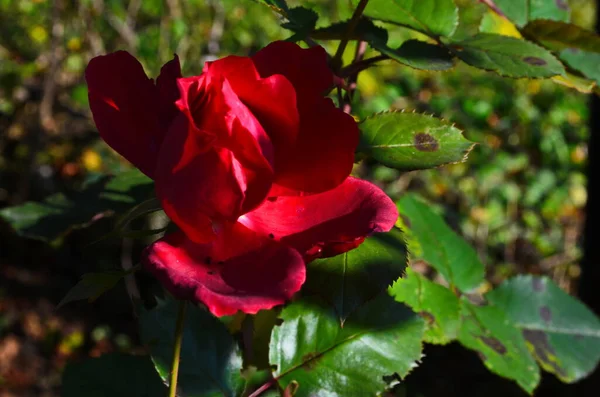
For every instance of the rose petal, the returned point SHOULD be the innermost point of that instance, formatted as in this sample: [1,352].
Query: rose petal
[306,69]
[328,223]
[238,271]
[324,153]
[272,100]
[125,105]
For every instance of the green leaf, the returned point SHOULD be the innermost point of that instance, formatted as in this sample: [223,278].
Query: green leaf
[349,280]
[499,344]
[507,56]
[278,4]
[310,347]
[301,20]
[436,304]
[470,15]
[561,332]
[144,208]
[92,285]
[412,141]
[364,30]
[56,215]
[587,63]
[523,11]
[559,35]
[429,239]
[210,358]
[113,374]
[418,54]
[432,17]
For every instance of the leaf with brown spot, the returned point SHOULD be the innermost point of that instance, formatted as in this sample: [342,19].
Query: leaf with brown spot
[501,346]
[562,334]
[437,304]
[412,141]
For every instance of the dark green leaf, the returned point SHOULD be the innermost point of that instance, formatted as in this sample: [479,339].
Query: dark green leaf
[412,141]
[419,55]
[562,334]
[114,375]
[210,359]
[381,338]
[92,285]
[301,20]
[523,11]
[559,36]
[364,30]
[507,56]
[349,280]
[500,345]
[432,17]
[49,219]
[436,304]
[587,63]
[429,239]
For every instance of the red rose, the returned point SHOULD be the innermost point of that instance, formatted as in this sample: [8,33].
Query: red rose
[250,160]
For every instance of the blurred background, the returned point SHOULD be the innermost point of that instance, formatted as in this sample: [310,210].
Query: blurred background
[519,199]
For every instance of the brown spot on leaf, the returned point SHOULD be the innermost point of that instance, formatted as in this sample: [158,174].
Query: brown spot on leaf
[546,313]
[482,356]
[562,4]
[426,142]
[405,220]
[543,350]
[310,361]
[494,343]
[537,284]
[430,318]
[535,61]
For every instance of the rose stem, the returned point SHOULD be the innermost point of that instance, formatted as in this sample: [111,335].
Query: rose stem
[336,63]
[177,349]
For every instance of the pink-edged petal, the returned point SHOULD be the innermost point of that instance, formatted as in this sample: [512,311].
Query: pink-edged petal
[272,100]
[306,69]
[168,90]
[324,152]
[198,182]
[328,223]
[239,270]
[125,105]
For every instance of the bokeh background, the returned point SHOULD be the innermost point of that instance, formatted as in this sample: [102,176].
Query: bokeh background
[519,199]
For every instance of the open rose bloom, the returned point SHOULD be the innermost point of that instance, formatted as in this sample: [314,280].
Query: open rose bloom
[250,160]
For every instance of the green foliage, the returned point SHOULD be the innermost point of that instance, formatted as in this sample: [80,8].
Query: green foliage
[210,359]
[561,333]
[524,11]
[92,285]
[312,348]
[49,219]
[432,17]
[113,374]
[410,141]
[349,280]
[559,36]
[587,63]
[507,56]
[419,55]
[429,239]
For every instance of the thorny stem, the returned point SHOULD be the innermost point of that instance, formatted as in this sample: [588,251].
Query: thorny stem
[359,66]
[177,349]
[336,63]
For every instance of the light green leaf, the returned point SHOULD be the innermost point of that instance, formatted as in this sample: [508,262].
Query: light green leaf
[587,63]
[436,304]
[470,15]
[418,54]
[56,215]
[349,280]
[429,239]
[411,141]
[561,332]
[499,344]
[113,374]
[210,359]
[523,11]
[432,17]
[310,347]
[507,56]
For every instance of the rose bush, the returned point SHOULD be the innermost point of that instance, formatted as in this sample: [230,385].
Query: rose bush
[250,160]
